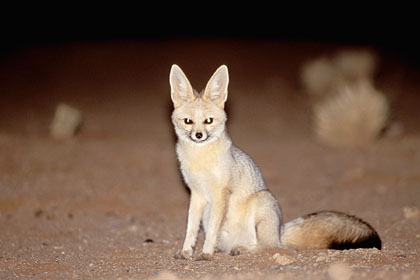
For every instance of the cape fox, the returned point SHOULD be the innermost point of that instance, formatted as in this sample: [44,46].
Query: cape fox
[228,194]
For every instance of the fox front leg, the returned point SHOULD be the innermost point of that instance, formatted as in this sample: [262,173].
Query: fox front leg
[218,210]
[195,213]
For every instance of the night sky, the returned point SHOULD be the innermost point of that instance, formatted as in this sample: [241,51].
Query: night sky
[392,29]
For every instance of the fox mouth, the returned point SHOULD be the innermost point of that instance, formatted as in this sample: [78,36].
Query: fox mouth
[199,140]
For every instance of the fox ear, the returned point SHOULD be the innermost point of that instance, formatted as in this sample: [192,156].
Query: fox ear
[217,87]
[181,90]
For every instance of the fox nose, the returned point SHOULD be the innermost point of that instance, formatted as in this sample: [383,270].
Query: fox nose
[199,135]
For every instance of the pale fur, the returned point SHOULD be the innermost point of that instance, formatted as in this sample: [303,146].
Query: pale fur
[229,197]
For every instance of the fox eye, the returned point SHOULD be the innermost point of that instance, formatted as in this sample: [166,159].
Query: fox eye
[208,121]
[188,121]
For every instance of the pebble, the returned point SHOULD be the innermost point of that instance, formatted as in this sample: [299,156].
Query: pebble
[166,275]
[133,228]
[321,259]
[289,266]
[67,120]
[282,260]
[374,251]
[411,212]
[339,271]
[334,254]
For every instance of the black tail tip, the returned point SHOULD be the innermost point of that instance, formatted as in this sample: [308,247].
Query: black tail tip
[371,241]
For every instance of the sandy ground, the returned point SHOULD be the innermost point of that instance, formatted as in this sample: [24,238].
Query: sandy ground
[110,202]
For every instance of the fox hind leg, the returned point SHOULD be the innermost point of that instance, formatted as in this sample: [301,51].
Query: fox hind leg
[268,220]
[265,219]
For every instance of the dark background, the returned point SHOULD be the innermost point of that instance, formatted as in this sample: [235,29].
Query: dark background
[393,29]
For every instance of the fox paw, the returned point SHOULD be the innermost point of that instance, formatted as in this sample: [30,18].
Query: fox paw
[204,257]
[238,250]
[183,255]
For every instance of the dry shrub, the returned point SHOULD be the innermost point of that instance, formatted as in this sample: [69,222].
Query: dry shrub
[348,110]
[324,75]
[353,117]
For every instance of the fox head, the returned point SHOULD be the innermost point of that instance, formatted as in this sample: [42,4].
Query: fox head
[199,117]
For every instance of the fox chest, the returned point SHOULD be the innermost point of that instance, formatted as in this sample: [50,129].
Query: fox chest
[204,169]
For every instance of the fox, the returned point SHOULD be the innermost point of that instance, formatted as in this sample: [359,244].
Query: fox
[228,196]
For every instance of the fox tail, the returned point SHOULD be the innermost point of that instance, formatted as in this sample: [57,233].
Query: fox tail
[329,230]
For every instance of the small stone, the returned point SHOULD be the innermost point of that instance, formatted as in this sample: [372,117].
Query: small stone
[334,253]
[67,120]
[38,213]
[411,212]
[282,260]
[321,259]
[133,228]
[339,271]
[374,251]
[166,275]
